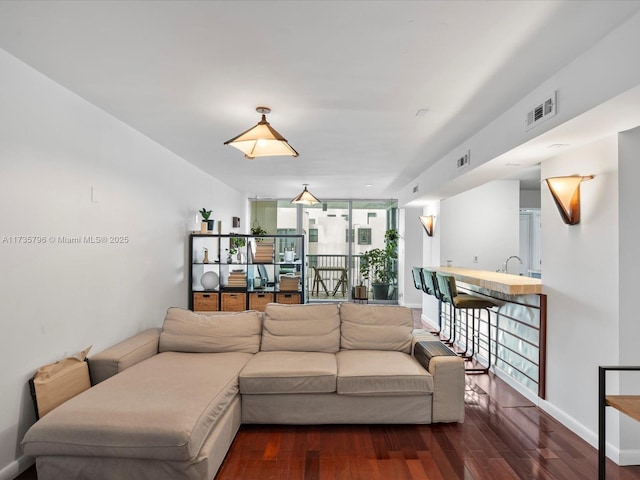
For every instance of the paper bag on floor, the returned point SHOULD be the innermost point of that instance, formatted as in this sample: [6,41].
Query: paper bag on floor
[56,383]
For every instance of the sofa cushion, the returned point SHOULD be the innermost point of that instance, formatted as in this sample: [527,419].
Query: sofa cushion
[301,328]
[289,372]
[161,408]
[373,372]
[375,327]
[186,331]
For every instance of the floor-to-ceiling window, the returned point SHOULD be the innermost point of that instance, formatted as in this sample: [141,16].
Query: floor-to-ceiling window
[337,233]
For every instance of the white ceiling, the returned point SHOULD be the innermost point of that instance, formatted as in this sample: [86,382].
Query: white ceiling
[344,78]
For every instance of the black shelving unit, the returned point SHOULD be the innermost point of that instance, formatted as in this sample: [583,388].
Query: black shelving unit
[262,278]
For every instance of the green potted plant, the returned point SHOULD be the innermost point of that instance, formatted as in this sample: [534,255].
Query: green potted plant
[379,266]
[235,244]
[258,230]
[206,225]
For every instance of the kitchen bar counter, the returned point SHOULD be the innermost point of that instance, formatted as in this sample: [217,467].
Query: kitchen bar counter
[494,281]
[518,326]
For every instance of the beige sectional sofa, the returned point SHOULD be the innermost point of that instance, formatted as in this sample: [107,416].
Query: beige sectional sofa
[168,402]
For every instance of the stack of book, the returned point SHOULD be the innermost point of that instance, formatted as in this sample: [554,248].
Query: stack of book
[264,253]
[237,279]
[289,283]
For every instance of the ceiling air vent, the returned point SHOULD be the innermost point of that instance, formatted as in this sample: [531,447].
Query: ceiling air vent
[464,160]
[541,112]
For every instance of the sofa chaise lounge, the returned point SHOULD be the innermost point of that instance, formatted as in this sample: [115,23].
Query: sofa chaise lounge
[168,402]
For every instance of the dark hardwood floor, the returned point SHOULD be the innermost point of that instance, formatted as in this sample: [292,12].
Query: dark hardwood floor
[503,436]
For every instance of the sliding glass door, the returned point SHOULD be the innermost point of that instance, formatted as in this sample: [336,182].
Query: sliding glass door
[330,240]
[337,233]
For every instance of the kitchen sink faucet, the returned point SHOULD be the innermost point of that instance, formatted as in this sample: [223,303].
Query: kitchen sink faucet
[506,263]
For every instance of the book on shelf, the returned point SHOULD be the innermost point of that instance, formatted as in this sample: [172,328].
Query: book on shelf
[264,253]
[237,279]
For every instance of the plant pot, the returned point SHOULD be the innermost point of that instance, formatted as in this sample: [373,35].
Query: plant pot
[359,292]
[380,291]
[210,224]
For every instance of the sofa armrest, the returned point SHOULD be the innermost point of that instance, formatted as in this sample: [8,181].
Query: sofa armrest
[124,354]
[448,388]
[447,370]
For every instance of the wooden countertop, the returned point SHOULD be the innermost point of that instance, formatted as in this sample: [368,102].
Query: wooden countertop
[498,282]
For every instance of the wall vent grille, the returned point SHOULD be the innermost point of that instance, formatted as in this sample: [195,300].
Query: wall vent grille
[464,160]
[541,112]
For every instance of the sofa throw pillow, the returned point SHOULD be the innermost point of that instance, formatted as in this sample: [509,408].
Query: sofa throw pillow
[375,327]
[301,328]
[186,331]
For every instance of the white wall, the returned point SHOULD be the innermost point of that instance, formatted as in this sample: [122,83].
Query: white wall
[580,278]
[482,222]
[530,198]
[628,268]
[431,258]
[410,251]
[59,298]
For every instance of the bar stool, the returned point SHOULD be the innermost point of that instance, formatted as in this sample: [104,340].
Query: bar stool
[464,301]
[430,287]
[419,283]
[446,293]
[417,278]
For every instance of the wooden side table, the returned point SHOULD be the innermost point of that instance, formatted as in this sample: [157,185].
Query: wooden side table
[627,404]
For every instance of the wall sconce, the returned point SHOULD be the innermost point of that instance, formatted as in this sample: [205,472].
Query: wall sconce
[566,193]
[428,222]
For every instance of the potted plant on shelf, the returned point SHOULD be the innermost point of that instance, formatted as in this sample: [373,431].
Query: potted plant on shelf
[235,244]
[379,266]
[256,229]
[206,225]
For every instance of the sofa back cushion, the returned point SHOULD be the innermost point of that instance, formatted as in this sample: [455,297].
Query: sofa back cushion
[301,328]
[186,331]
[375,327]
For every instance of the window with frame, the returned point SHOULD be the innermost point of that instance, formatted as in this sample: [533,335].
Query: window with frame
[364,236]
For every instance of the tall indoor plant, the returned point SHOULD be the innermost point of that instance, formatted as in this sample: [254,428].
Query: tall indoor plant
[379,266]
